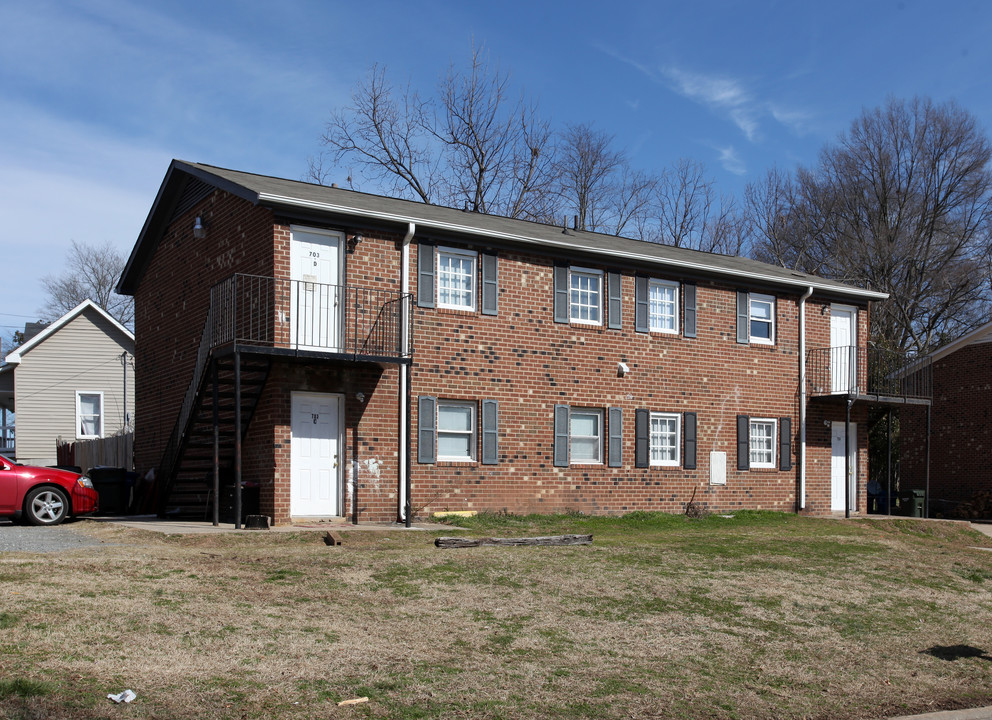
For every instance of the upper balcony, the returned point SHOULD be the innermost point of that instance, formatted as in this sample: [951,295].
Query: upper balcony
[279,316]
[868,374]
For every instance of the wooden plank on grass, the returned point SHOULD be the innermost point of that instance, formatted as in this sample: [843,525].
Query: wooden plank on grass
[459,542]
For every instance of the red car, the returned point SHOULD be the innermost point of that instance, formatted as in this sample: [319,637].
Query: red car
[43,496]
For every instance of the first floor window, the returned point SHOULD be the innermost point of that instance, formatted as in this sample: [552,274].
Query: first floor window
[665,439]
[89,415]
[762,443]
[456,279]
[455,430]
[586,436]
[586,296]
[663,306]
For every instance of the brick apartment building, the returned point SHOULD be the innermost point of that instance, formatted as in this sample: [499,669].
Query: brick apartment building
[960,425]
[355,355]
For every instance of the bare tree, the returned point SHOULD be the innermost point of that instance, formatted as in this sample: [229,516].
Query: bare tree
[690,214]
[901,203]
[587,170]
[90,272]
[473,145]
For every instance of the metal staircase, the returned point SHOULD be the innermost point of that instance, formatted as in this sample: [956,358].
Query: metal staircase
[253,321]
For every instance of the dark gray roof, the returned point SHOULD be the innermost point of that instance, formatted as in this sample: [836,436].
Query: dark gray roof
[291,195]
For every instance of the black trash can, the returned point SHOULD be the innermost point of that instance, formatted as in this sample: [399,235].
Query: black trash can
[111,485]
[911,502]
[249,501]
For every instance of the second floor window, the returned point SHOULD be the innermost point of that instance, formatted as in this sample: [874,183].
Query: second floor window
[586,296]
[663,306]
[456,279]
[762,318]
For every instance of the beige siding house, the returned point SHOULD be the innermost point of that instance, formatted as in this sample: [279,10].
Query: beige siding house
[69,382]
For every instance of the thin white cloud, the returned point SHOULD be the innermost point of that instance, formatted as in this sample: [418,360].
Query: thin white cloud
[719,93]
[731,160]
[723,95]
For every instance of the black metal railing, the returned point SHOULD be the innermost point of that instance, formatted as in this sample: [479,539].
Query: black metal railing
[850,370]
[300,315]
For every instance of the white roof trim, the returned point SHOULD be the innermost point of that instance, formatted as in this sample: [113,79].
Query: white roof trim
[975,336]
[804,283]
[15,357]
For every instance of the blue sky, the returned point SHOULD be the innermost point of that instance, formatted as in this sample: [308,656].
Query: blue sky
[96,97]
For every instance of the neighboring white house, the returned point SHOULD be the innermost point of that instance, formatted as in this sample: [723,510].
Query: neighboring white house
[74,380]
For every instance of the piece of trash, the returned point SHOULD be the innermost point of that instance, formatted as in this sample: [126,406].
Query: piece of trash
[353,701]
[124,697]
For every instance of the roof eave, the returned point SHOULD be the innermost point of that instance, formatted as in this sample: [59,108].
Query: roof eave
[273,200]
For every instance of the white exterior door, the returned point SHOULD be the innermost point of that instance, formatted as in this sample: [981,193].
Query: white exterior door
[843,349]
[315,300]
[315,469]
[837,470]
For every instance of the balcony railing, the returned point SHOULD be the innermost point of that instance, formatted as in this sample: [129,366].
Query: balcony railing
[868,371]
[300,315]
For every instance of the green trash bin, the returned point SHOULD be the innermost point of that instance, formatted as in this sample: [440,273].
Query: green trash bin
[911,503]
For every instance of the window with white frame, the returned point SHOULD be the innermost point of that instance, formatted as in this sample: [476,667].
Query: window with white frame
[586,436]
[89,415]
[455,430]
[456,278]
[665,429]
[663,306]
[585,296]
[761,318]
[762,442]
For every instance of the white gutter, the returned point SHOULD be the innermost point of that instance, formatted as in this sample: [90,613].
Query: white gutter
[802,397]
[565,244]
[404,368]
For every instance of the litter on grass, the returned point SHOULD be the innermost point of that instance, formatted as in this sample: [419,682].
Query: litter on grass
[123,697]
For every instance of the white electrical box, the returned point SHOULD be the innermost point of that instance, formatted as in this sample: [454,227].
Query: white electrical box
[718,468]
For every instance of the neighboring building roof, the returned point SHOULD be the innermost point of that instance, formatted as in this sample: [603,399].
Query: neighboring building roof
[15,357]
[290,195]
[980,335]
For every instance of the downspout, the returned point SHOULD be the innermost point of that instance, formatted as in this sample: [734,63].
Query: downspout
[802,397]
[404,414]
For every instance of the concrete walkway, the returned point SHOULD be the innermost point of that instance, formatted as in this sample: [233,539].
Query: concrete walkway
[984,713]
[154,523]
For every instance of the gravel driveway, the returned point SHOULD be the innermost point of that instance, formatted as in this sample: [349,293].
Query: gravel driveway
[24,538]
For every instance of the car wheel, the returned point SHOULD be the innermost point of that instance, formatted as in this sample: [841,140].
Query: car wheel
[46,506]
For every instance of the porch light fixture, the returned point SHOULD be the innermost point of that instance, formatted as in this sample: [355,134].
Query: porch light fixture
[622,369]
[353,241]
[360,396]
[199,229]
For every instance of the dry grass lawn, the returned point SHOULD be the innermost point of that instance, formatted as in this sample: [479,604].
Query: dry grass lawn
[759,616]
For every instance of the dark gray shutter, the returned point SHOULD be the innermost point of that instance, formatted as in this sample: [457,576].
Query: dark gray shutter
[561,436]
[641,304]
[785,443]
[743,442]
[426,423]
[689,310]
[642,437]
[425,276]
[743,318]
[490,432]
[490,286]
[615,309]
[689,440]
[561,294]
[616,437]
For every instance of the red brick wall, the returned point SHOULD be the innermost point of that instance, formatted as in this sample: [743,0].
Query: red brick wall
[961,428]
[171,306]
[529,363]
[521,358]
